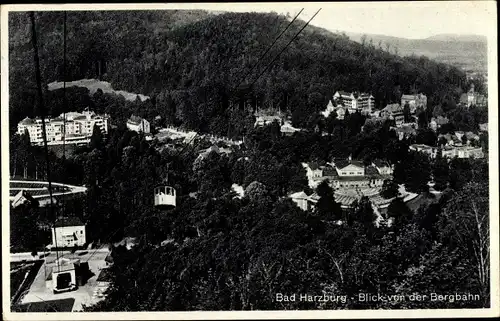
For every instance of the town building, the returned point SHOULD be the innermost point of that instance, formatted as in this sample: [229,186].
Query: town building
[354,102]
[267,117]
[437,122]
[302,200]
[458,138]
[138,124]
[69,128]
[449,151]
[393,112]
[422,148]
[415,101]
[68,232]
[405,131]
[24,197]
[330,108]
[473,98]
[347,173]
[287,129]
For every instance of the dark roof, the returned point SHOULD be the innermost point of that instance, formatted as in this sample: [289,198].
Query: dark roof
[371,170]
[313,165]
[344,93]
[380,163]
[27,121]
[329,171]
[135,119]
[393,108]
[341,162]
[68,221]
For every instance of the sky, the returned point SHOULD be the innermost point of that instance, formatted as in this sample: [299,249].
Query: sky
[414,20]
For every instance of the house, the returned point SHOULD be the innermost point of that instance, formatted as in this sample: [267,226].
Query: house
[354,102]
[301,199]
[473,98]
[462,152]
[267,117]
[415,101]
[437,122]
[429,150]
[23,197]
[288,130]
[69,128]
[457,139]
[68,232]
[405,131]
[313,171]
[330,108]
[393,112]
[138,124]
[354,174]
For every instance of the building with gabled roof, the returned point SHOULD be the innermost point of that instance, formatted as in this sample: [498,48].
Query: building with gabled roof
[415,101]
[23,197]
[68,232]
[138,124]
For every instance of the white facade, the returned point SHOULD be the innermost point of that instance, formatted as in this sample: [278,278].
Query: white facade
[68,236]
[363,102]
[139,125]
[301,199]
[351,170]
[414,101]
[77,128]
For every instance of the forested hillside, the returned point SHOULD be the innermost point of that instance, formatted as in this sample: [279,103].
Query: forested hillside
[190,63]
[219,251]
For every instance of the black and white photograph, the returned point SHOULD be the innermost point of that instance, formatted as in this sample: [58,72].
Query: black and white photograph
[267,160]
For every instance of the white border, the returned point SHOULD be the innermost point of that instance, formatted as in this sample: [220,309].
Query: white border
[490,12]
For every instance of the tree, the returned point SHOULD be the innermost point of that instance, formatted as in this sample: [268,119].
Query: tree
[400,212]
[426,136]
[389,189]
[326,207]
[423,121]
[407,113]
[465,222]
[440,173]
[96,140]
[414,171]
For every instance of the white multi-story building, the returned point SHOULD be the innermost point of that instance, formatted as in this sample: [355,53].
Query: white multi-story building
[361,102]
[138,124]
[449,151]
[71,128]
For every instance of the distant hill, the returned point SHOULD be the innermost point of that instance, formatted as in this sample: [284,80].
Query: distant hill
[457,38]
[467,52]
[193,64]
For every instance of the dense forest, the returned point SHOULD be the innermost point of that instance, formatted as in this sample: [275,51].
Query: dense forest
[196,65]
[219,251]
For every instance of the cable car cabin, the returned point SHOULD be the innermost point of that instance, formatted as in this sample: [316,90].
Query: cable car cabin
[165,197]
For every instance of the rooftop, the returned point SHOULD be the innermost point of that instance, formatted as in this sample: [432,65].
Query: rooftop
[135,120]
[342,163]
[68,221]
[393,108]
